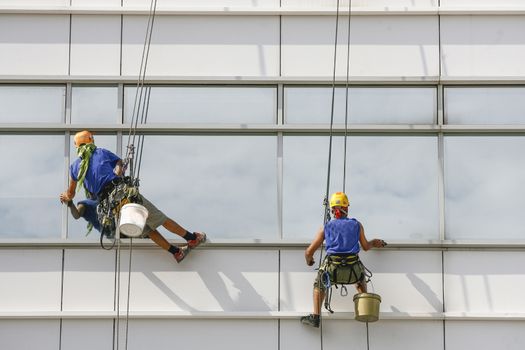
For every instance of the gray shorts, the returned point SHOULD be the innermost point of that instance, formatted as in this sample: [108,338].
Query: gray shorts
[155,217]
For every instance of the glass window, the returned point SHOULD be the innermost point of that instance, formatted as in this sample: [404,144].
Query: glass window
[78,228]
[199,104]
[484,192]
[392,183]
[366,105]
[223,185]
[485,105]
[30,182]
[32,104]
[94,104]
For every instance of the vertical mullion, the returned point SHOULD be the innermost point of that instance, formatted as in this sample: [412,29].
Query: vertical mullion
[67,156]
[120,119]
[441,164]
[280,91]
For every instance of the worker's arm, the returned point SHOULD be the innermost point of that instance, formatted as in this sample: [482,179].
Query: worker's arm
[119,169]
[69,194]
[316,243]
[76,212]
[366,244]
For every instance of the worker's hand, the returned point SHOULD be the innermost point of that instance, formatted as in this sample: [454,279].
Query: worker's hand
[64,198]
[378,243]
[309,259]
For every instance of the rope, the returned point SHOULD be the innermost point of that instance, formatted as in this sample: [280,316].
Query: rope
[117,291]
[326,204]
[140,102]
[367,337]
[346,92]
[129,290]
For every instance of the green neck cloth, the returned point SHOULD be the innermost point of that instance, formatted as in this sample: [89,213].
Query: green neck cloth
[85,152]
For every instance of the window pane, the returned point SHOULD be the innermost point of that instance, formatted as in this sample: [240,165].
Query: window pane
[485,105]
[223,185]
[32,104]
[30,182]
[200,104]
[365,105]
[392,183]
[78,228]
[484,192]
[94,104]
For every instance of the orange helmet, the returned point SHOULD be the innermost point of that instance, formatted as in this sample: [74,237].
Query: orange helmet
[83,137]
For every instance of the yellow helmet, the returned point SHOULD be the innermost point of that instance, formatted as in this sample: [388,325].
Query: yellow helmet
[82,137]
[339,199]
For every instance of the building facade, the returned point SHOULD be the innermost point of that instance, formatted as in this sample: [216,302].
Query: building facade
[236,144]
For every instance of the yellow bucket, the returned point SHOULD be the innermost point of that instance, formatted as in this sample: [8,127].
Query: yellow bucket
[367,307]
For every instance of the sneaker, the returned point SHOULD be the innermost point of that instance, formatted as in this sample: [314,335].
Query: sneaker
[311,320]
[181,254]
[194,243]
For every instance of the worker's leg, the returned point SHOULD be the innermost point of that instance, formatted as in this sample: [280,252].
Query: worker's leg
[156,237]
[173,227]
[178,253]
[318,300]
[361,286]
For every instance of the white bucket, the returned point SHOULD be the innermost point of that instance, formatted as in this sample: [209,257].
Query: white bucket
[133,219]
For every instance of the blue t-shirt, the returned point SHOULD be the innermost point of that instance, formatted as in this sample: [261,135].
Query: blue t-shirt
[90,212]
[342,236]
[100,170]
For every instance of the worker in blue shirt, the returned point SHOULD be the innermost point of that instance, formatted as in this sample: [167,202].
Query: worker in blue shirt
[99,171]
[343,239]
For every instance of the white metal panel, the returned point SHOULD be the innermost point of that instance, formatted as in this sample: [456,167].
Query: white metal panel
[407,281]
[297,281]
[31,280]
[87,335]
[339,334]
[484,282]
[294,335]
[29,334]
[480,3]
[203,334]
[386,4]
[34,44]
[89,280]
[34,3]
[207,280]
[484,335]
[483,45]
[380,46]
[112,3]
[204,46]
[407,335]
[95,45]
[197,3]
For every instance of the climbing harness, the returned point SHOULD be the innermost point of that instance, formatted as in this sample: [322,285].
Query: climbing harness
[114,196]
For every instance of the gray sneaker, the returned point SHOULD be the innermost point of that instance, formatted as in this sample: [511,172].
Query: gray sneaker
[311,320]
